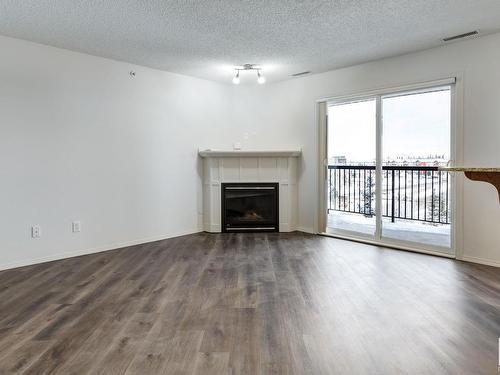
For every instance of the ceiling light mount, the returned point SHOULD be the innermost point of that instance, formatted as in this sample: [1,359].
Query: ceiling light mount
[246,67]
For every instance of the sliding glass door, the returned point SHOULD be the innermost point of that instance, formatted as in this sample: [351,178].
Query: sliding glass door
[383,175]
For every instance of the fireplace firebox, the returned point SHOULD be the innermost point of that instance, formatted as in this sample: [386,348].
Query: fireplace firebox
[250,207]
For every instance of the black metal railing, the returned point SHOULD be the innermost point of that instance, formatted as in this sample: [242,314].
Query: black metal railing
[408,192]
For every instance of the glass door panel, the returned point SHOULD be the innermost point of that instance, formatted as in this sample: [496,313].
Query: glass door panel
[351,172]
[416,141]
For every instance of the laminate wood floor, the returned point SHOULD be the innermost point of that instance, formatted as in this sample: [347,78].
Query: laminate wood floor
[250,304]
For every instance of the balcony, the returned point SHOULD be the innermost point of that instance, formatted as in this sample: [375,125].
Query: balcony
[415,202]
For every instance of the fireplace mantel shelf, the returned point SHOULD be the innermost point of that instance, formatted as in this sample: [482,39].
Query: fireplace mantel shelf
[211,153]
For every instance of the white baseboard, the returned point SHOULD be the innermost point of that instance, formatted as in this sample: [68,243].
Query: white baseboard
[114,246]
[98,249]
[306,230]
[486,262]
[465,258]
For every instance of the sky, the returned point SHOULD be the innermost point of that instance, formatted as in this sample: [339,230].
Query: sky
[413,125]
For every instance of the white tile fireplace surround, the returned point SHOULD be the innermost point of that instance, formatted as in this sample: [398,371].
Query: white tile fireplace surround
[279,166]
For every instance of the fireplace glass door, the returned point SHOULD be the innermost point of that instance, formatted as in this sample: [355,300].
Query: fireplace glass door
[249,207]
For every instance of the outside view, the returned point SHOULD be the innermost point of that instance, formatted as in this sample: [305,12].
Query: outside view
[415,201]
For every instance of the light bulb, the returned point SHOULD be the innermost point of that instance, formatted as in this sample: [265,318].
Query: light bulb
[236,78]
[260,79]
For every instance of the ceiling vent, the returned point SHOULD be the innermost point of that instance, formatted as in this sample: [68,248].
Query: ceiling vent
[460,36]
[300,74]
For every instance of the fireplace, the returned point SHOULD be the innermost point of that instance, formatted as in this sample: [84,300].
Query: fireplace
[248,207]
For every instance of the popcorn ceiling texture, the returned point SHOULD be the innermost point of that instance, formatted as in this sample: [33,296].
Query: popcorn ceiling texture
[205,38]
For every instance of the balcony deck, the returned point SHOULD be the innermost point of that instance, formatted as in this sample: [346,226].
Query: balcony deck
[403,230]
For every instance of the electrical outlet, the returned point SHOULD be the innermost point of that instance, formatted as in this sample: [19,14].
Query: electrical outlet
[36,231]
[77,226]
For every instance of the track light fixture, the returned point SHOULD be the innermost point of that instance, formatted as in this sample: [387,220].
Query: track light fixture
[260,78]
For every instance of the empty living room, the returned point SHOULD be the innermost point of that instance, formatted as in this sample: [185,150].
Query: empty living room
[250,187]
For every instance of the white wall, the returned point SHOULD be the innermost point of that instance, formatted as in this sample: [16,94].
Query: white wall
[285,112]
[82,140]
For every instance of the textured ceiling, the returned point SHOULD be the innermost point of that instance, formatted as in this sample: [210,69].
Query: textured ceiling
[205,38]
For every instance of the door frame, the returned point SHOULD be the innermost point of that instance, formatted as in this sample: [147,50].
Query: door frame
[456,156]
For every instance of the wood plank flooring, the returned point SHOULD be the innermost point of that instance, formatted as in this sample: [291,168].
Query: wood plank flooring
[250,304]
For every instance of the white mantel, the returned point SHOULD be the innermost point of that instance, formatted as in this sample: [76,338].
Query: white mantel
[209,153]
[279,166]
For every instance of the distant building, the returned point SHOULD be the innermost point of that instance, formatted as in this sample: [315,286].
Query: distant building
[419,161]
[337,160]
